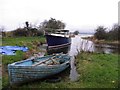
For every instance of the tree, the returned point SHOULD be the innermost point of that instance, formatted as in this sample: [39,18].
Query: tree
[100,33]
[115,32]
[30,30]
[53,24]
[20,32]
[76,32]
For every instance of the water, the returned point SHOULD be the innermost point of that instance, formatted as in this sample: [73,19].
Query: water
[73,73]
[104,48]
[77,46]
[99,48]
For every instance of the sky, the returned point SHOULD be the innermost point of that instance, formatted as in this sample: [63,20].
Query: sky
[82,15]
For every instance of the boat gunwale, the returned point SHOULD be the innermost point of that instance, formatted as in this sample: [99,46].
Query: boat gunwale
[57,36]
[22,61]
[29,59]
[38,66]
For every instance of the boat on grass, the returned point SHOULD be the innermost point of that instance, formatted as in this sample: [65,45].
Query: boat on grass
[37,68]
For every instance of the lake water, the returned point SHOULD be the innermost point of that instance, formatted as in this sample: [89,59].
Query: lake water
[86,45]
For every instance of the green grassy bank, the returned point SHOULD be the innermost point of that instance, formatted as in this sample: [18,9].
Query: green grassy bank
[20,41]
[98,70]
[30,42]
[95,70]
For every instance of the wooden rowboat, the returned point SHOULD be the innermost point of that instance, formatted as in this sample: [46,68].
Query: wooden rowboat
[38,68]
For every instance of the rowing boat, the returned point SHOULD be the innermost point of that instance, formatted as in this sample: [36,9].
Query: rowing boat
[37,68]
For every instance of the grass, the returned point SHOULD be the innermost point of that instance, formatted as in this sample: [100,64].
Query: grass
[0,66]
[98,70]
[30,42]
[0,77]
[95,70]
[20,41]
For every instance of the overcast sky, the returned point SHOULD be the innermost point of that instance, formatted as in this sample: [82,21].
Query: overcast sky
[83,15]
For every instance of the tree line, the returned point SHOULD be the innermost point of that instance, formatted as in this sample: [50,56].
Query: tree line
[112,34]
[52,24]
[28,30]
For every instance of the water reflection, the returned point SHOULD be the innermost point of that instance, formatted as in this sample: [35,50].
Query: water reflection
[73,73]
[104,48]
[79,45]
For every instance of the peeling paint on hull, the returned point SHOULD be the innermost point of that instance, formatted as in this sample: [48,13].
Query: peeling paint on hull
[21,74]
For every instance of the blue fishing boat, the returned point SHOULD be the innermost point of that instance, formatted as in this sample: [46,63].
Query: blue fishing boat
[37,68]
[59,39]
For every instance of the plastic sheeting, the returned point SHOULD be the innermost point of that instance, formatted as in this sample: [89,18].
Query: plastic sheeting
[10,50]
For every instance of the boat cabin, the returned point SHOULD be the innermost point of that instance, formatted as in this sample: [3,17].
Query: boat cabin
[63,32]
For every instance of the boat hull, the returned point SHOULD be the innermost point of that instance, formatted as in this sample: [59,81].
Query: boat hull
[64,49]
[57,41]
[19,74]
